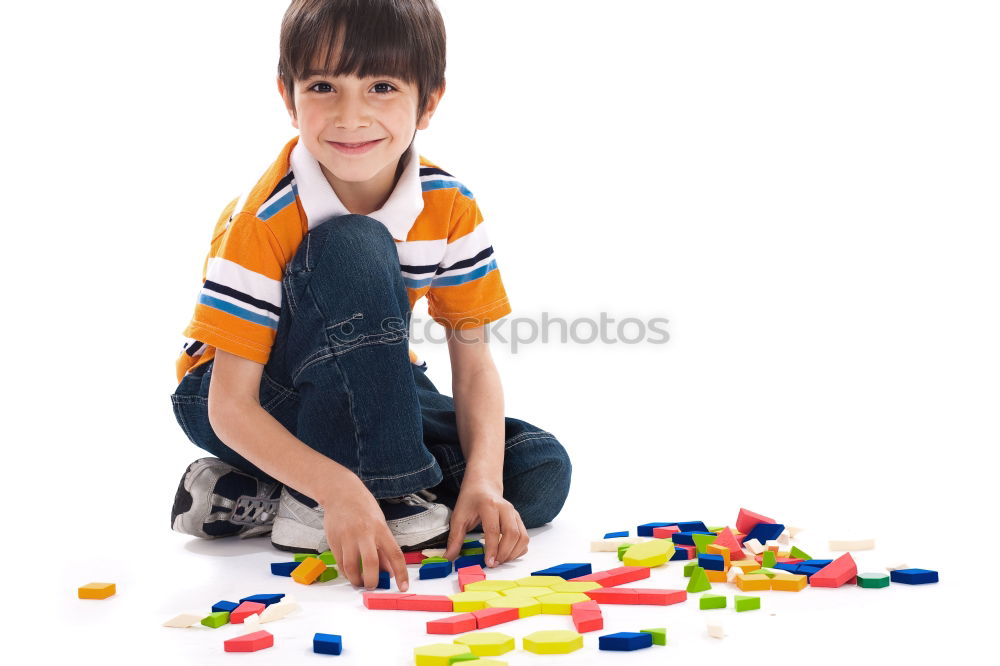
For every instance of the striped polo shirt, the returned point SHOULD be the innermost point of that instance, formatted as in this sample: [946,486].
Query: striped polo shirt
[444,253]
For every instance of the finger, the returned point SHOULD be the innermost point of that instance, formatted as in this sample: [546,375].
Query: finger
[391,559]
[369,565]
[511,534]
[491,536]
[349,564]
[456,536]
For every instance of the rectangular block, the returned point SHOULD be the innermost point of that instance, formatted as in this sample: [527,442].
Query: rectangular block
[426,602]
[657,597]
[490,617]
[383,600]
[789,582]
[454,624]
[622,575]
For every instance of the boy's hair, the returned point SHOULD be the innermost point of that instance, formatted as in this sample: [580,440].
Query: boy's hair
[400,38]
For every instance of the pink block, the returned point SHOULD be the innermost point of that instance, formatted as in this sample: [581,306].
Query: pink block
[654,597]
[622,575]
[474,569]
[488,617]
[728,540]
[665,532]
[258,640]
[596,577]
[454,624]
[588,621]
[383,600]
[837,573]
[747,520]
[413,557]
[613,595]
[426,602]
[244,610]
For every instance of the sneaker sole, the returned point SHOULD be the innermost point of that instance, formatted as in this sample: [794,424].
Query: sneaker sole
[285,532]
[183,517]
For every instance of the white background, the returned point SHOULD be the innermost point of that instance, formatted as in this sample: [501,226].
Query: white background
[807,191]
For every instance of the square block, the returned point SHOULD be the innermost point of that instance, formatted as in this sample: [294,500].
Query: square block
[95,590]
[327,643]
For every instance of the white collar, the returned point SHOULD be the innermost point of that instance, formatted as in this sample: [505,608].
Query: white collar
[320,202]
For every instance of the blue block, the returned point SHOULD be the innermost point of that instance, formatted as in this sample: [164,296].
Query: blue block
[807,571]
[475,543]
[784,566]
[327,644]
[435,570]
[680,554]
[815,563]
[612,535]
[266,599]
[224,607]
[712,562]
[383,580]
[470,560]
[283,568]
[913,576]
[764,532]
[567,571]
[686,538]
[693,526]
[647,528]
[624,641]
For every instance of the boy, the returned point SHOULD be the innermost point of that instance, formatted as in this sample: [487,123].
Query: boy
[297,375]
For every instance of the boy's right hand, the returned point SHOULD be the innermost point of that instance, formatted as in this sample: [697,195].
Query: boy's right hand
[360,540]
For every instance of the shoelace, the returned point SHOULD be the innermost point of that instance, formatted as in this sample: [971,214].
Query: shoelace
[254,510]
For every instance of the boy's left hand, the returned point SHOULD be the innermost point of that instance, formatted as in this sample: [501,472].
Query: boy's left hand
[505,536]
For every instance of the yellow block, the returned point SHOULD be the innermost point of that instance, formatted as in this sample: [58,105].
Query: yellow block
[438,654]
[308,571]
[525,605]
[748,582]
[532,592]
[490,585]
[487,643]
[720,550]
[649,553]
[716,576]
[747,565]
[789,582]
[556,641]
[559,603]
[539,581]
[96,590]
[575,586]
[471,600]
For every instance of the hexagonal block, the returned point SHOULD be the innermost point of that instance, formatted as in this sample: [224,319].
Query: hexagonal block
[525,605]
[539,581]
[472,600]
[490,585]
[438,654]
[649,554]
[557,641]
[487,643]
[531,592]
[560,603]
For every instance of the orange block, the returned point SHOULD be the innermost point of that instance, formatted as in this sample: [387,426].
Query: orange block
[309,570]
[789,582]
[96,590]
[747,565]
[720,550]
[716,576]
[753,582]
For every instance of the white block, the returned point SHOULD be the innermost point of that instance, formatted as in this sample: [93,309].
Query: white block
[793,531]
[184,620]
[896,567]
[733,573]
[611,545]
[785,538]
[715,630]
[433,552]
[251,620]
[852,544]
[754,546]
[278,610]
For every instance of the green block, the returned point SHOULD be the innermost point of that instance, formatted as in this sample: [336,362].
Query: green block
[799,553]
[428,560]
[472,551]
[659,635]
[462,657]
[621,551]
[716,528]
[327,557]
[873,580]
[770,573]
[699,581]
[690,567]
[701,542]
[216,620]
[300,557]
[328,574]
[709,601]
[747,603]
[770,558]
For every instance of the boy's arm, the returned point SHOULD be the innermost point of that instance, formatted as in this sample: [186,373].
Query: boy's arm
[354,523]
[479,415]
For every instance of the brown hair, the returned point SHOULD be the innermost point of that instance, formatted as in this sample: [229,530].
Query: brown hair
[399,38]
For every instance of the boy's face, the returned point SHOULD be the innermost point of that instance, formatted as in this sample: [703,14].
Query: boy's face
[329,111]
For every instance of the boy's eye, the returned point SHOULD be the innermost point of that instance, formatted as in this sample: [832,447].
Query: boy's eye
[326,87]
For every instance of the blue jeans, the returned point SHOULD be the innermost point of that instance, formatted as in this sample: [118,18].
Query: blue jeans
[339,378]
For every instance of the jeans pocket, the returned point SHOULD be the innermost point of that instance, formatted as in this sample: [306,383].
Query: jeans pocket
[190,411]
[359,330]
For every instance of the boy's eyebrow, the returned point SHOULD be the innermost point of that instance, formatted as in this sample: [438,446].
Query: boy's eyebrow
[309,73]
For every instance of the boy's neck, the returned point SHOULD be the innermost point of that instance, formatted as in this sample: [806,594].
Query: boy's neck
[367,197]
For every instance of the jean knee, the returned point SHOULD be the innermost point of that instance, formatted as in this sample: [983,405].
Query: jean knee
[540,493]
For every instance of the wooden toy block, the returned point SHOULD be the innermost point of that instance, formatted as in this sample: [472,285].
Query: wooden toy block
[434,552]
[789,582]
[715,630]
[784,538]
[690,567]
[302,557]
[216,620]
[266,599]
[746,603]
[283,568]
[613,595]
[752,582]
[525,606]
[228,606]
[566,571]
[799,554]
[439,654]
[539,581]
[258,640]
[383,600]
[465,579]
[587,616]
[699,581]
[659,635]
[849,544]
[687,538]
[532,592]
[710,601]
[487,643]
[722,551]
[471,570]
[665,532]
[560,603]
[308,570]
[715,576]
[246,608]
[557,641]
[656,597]
[491,585]
[873,580]
[911,576]
[726,539]
[768,559]
[732,574]
[414,557]
[772,545]
[453,624]
[472,601]
[426,602]
[702,541]
[835,574]
[470,560]
[896,567]
[748,564]
[713,562]
[472,551]
[597,577]
[622,550]
[646,530]
[95,590]
[764,532]
[611,535]
[684,552]
[252,622]
[692,526]
[611,545]
[575,586]
[747,520]
[183,621]
[434,570]
[329,560]
[330,573]
[625,641]
[277,611]
[622,575]
[490,617]
[434,559]
[327,643]
[649,554]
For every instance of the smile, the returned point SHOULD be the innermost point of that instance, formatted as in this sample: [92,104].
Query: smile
[354,148]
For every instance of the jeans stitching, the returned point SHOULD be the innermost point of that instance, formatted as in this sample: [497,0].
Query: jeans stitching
[181,419]
[400,476]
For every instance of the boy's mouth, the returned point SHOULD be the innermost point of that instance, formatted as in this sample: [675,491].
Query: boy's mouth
[354,148]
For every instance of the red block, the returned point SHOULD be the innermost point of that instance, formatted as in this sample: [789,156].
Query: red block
[746,520]
[413,557]
[622,575]
[244,610]
[465,579]
[258,640]
[454,624]
[596,577]
[613,595]
[727,539]
[835,574]
[488,617]
[665,532]
[474,569]
[692,551]
[587,616]
[654,597]
[383,600]
[426,602]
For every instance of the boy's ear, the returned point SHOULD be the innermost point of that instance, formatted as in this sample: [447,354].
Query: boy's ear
[289,104]
[432,102]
